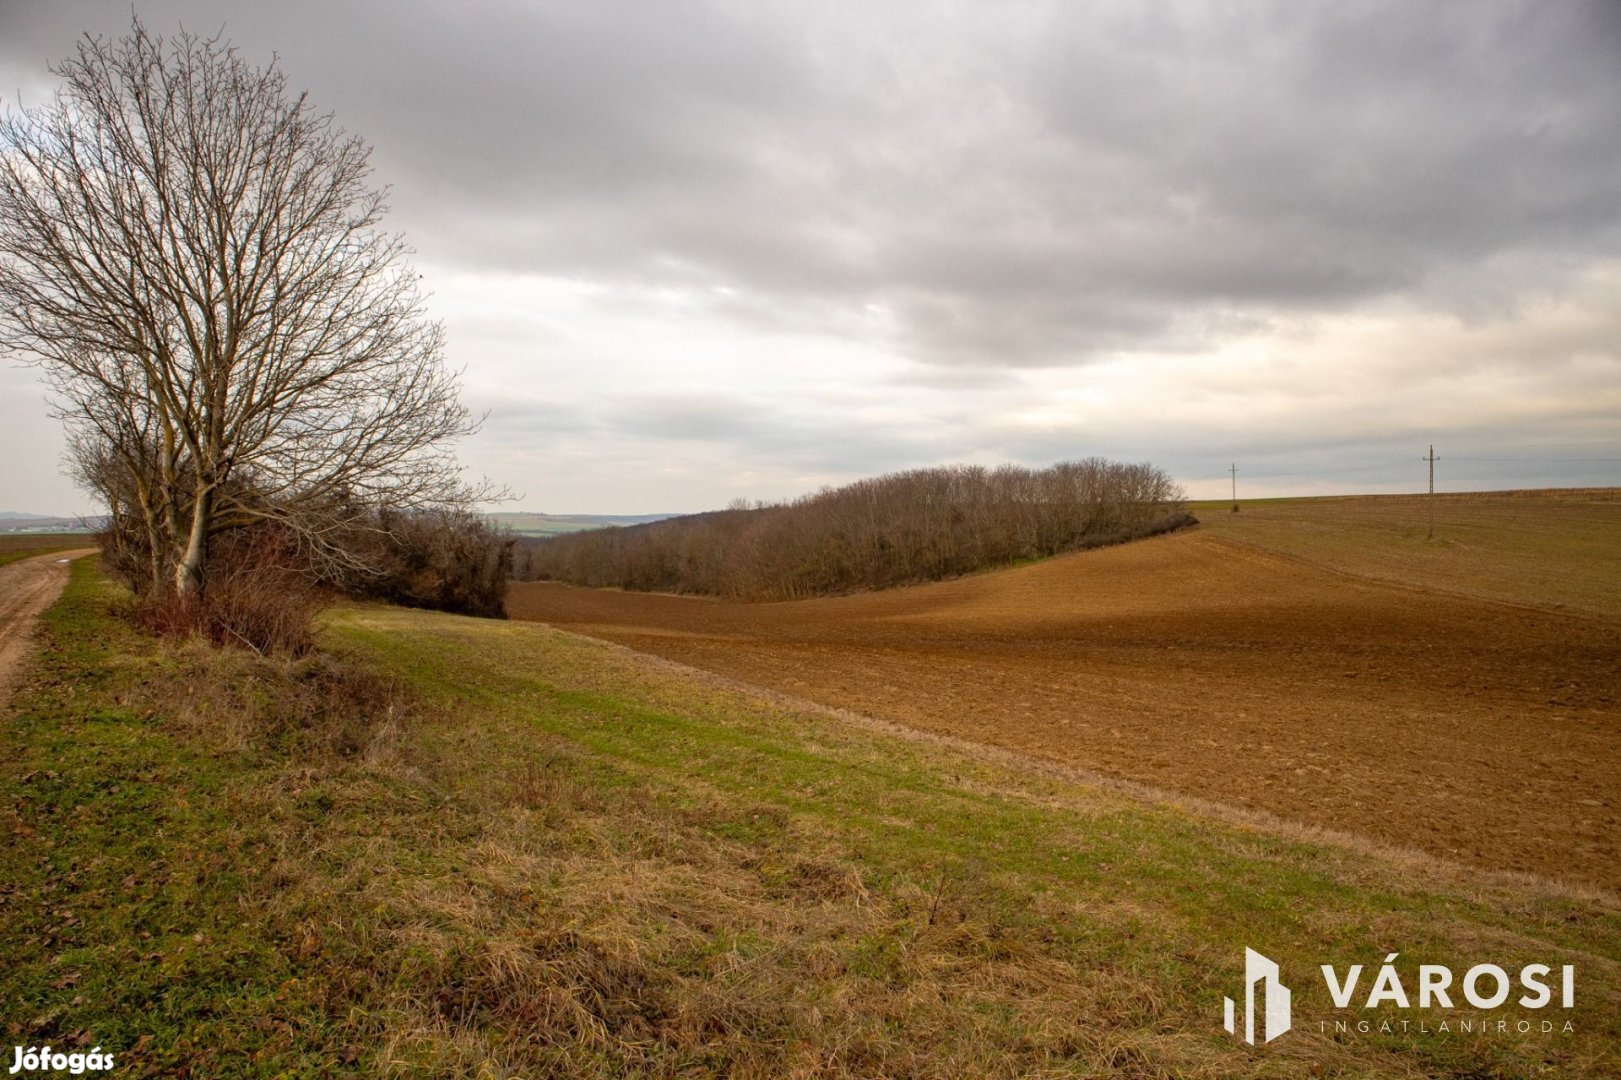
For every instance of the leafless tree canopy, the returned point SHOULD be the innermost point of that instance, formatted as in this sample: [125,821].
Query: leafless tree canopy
[195,258]
[889,530]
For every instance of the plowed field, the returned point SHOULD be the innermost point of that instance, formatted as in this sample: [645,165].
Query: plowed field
[1480,731]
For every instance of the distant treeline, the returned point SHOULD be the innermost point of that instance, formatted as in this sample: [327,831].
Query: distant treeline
[905,527]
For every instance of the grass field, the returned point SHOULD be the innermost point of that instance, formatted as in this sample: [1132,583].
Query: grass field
[542,525]
[15,546]
[493,849]
[1225,671]
[1559,549]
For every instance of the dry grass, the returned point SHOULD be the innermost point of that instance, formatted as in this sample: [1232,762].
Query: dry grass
[1553,549]
[987,921]
[462,848]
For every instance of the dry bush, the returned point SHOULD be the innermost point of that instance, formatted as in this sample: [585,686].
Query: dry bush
[125,554]
[263,589]
[447,560]
[259,595]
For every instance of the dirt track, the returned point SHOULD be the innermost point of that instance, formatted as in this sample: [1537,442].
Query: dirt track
[27,588]
[1483,732]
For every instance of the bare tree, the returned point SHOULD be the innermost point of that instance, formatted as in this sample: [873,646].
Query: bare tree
[194,257]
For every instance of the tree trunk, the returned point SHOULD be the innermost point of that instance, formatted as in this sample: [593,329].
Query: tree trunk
[189,572]
[156,545]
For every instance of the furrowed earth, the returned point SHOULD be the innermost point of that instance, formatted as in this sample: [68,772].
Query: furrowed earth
[1468,727]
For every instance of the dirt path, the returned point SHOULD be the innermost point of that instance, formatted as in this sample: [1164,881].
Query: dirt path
[27,587]
[1482,732]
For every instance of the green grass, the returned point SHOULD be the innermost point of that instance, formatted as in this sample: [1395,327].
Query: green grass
[535,526]
[540,525]
[473,848]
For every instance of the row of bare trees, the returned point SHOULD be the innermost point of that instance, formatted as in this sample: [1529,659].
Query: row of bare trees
[195,258]
[905,527]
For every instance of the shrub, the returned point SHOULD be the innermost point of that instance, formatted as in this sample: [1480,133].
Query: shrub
[448,560]
[259,595]
[263,590]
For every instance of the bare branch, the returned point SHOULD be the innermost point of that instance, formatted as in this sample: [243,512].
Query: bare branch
[195,258]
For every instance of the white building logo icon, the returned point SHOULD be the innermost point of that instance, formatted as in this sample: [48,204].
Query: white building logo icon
[1275,1022]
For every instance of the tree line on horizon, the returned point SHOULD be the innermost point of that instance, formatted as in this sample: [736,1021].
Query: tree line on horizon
[897,529]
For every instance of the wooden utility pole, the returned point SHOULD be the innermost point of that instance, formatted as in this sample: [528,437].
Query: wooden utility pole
[1234,470]
[1431,500]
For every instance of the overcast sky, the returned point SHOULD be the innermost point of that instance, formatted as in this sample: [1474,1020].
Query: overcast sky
[687,252]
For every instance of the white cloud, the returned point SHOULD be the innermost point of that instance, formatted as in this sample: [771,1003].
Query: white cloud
[690,251]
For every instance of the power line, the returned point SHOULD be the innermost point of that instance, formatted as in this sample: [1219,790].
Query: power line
[1431,499]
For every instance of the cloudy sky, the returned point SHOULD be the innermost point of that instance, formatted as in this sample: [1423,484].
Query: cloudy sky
[692,251]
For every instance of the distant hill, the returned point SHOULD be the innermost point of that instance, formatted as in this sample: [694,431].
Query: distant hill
[527,524]
[13,522]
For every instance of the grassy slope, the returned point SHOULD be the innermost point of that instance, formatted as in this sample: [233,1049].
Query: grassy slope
[1553,548]
[565,860]
[26,545]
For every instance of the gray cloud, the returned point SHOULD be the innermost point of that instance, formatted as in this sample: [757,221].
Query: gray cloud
[765,430]
[1035,184]
[983,191]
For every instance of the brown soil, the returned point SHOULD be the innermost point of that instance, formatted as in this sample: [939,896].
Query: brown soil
[1478,731]
[27,588]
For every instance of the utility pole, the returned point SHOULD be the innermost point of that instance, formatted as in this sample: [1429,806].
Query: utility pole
[1431,500]
[1234,470]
